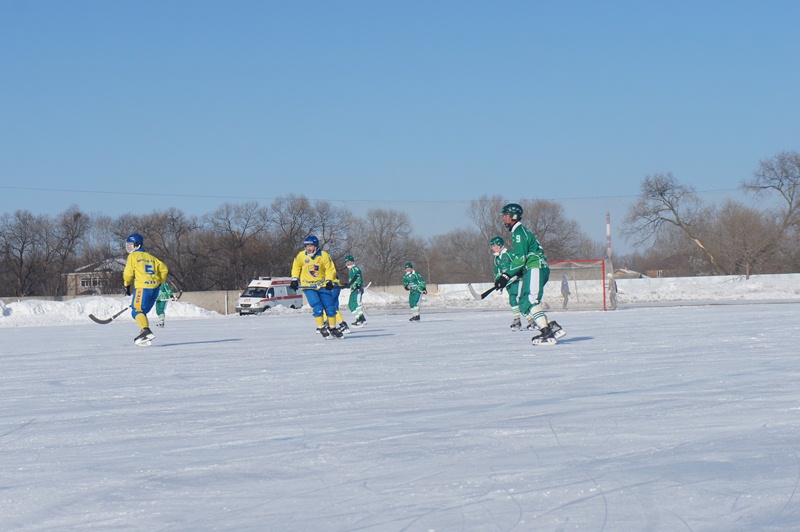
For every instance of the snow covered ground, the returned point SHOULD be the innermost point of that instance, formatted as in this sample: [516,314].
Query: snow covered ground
[659,416]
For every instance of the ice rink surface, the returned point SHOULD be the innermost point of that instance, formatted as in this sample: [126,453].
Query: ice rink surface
[660,418]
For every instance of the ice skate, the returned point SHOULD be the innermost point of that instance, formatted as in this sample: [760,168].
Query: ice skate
[516,325]
[324,332]
[558,332]
[360,321]
[335,332]
[343,328]
[414,318]
[545,337]
[145,337]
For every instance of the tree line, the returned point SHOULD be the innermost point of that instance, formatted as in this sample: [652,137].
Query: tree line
[686,236]
[224,249]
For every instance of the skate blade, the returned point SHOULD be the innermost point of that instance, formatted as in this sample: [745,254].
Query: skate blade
[143,343]
[549,341]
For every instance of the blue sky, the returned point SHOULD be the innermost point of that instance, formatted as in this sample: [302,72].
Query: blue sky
[416,105]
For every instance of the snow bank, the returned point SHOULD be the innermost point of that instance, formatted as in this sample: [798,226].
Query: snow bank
[36,312]
[31,313]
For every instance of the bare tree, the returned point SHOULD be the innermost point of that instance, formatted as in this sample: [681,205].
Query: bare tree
[390,240]
[486,213]
[676,254]
[175,238]
[559,236]
[745,238]
[780,174]
[100,242]
[664,201]
[291,220]
[22,246]
[331,225]
[69,229]
[791,252]
[236,229]
[460,256]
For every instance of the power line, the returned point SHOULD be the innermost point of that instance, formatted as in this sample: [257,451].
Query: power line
[251,198]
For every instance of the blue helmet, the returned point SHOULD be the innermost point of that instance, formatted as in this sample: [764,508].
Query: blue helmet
[136,240]
[311,240]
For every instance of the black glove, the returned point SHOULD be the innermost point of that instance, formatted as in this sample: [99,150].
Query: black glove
[127,289]
[346,285]
[329,285]
[294,284]
[424,290]
[501,281]
[406,287]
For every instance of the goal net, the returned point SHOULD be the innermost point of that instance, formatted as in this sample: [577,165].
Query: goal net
[586,281]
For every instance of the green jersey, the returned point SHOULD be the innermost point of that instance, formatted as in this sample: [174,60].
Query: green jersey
[355,280]
[414,281]
[502,263]
[527,252]
[165,293]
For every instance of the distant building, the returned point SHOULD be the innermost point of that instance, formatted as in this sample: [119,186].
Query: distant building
[104,277]
[625,273]
[665,273]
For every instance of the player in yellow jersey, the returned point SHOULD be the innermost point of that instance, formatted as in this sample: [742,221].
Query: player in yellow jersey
[313,272]
[146,273]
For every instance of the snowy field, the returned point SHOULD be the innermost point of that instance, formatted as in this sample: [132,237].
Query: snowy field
[658,416]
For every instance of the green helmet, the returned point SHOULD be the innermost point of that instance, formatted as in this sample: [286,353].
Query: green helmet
[409,265]
[514,210]
[349,258]
[497,241]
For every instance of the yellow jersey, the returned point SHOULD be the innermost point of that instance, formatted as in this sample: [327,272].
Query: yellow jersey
[144,270]
[313,270]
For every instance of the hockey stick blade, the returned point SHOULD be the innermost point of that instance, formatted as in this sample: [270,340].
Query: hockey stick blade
[475,294]
[107,320]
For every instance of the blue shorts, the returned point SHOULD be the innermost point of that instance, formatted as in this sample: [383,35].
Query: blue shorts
[321,300]
[143,300]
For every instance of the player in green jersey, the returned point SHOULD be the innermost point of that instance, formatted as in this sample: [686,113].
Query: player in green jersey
[529,263]
[502,263]
[415,284]
[356,283]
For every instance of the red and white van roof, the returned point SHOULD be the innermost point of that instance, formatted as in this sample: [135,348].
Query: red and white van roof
[270,281]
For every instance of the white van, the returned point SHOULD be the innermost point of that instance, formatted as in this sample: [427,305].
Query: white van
[266,292]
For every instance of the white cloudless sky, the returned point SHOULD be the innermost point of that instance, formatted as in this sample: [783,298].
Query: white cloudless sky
[418,106]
